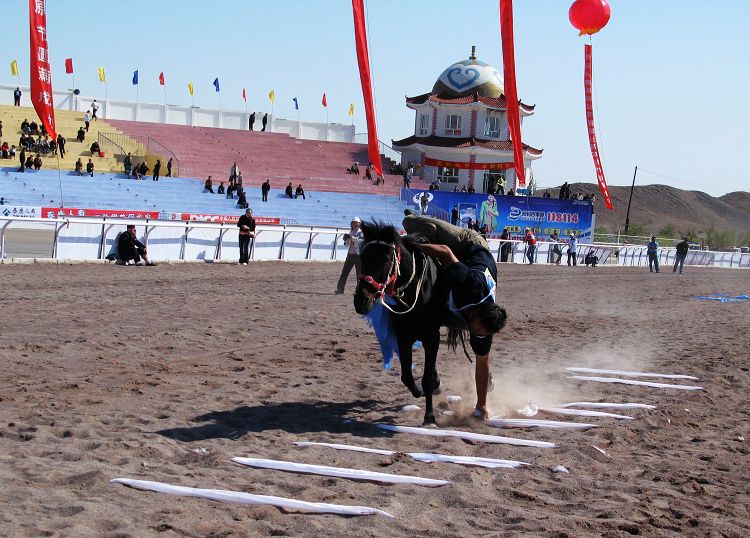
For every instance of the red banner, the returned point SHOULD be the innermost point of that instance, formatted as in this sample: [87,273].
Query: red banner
[69,66]
[592,132]
[511,94]
[64,212]
[468,166]
[363,59]
[41,76]
[226,219]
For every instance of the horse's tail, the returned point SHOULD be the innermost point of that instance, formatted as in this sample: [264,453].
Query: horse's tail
[454,337]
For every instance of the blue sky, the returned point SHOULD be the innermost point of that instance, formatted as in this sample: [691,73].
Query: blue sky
[672,78]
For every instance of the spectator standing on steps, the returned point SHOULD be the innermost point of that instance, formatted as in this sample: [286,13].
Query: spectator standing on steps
[17,97]
[157,169]
[61,145]
[573,249]
[264,121]
[246,224]
[87,120]
[264,188]
[251,121]
[682,250]
[652,249]
[169,168]
[94,109]
[354,240]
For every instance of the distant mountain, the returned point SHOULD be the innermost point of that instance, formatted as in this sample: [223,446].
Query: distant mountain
[656,206]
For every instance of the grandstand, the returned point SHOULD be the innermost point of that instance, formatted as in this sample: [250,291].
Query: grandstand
[117,192]
[333,196]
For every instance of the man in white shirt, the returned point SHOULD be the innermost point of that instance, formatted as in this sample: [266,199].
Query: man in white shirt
[354,239]
[573,249]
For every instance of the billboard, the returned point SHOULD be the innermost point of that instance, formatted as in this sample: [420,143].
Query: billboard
[544,216]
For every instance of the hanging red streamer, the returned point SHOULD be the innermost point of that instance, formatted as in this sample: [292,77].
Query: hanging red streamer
[41,76]
[587,76]
[511,94]
[363,59]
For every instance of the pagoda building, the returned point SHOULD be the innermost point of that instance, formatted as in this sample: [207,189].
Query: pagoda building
[461,135]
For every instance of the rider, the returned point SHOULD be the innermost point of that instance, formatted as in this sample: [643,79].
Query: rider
[472,275]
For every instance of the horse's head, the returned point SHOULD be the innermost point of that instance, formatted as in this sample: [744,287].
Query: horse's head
[379,254]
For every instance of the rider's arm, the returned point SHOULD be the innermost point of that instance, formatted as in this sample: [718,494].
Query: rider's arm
[440,252]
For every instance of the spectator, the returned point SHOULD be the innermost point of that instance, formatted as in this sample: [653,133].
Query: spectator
[234,171]
[354,169]
[220,190]
[25,126]
[500,187]
[506,246]
[406,179]
[143,170]
[12,151]
[22,158]
[470,223]
[251,121]
[95,149]
[90,168]
[81,135]
[454,215]
[37,162]
[94,109]
[368,174]
[573,249]
[238,181]
[591,259]
[79,167]
[87,120]
[546,195]
[169,168]
[61,145]
[423,201]
[653,255]
[264,188]
[51,146]
[128,165]
[463,188]
[682,250]
[299,191]
[157,169]
[17,97]
[246,224]
[33,127]
[265,121]
[5,148]
[209,185]
[289,191]
[565,191]
[129,249]
[1,128]
[354,241]
[242,199]
[230,190]
[29,162]
[511,192]
[556,250]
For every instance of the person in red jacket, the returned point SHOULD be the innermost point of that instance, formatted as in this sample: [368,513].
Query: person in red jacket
[530,241]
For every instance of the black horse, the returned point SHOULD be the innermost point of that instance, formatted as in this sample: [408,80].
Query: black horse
[394,267]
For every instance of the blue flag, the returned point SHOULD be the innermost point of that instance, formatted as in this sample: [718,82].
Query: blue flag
[296,106]
[216,84]
[135,77]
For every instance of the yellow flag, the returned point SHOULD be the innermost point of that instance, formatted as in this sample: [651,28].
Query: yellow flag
[351,109]
[102,77]
[14,68]
[272,96]
[190,88]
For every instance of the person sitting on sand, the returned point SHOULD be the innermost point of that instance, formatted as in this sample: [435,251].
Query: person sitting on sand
[130,250]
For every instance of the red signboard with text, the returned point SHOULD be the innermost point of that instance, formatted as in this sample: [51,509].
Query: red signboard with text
[63,212]
[40,74]
[428,161]
[226,219]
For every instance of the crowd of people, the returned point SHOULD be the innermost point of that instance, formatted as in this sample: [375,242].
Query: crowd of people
[235,188]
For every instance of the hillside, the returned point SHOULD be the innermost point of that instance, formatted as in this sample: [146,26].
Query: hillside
[656,206]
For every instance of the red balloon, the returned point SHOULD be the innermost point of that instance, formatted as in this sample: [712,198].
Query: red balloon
[589,16]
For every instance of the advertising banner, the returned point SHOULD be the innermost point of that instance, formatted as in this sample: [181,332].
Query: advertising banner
[544,216]
[228,219]
[587,78]
[63,212]
[428,161]
[23,211]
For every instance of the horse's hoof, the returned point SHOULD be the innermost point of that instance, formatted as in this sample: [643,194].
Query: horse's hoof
[429,421]
[417,391]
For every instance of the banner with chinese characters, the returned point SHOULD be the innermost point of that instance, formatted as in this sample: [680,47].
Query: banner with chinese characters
[428,161]
[21,211]
[226,219]
[592,132]
[66,212]
[40,73]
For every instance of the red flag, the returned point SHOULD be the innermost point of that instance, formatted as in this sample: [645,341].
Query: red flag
[41,77]
[161,78]
[325,101]
[69,66]
[511,95]
[363,59]
[592,132]
[244,95]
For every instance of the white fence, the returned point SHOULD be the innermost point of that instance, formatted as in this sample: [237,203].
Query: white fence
[93,238]
[117,109]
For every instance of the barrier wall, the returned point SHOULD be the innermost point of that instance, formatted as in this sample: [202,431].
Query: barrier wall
[117,109]
[94,239]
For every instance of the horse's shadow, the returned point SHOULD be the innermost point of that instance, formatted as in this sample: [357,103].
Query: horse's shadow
[291,417]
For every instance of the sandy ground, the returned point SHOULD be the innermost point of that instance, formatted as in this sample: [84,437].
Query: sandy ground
[165,373]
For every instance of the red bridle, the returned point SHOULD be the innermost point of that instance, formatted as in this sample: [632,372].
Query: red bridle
[389,285]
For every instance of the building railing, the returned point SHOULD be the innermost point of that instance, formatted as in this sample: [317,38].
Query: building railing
[141,146]
[94,238]
[384,149]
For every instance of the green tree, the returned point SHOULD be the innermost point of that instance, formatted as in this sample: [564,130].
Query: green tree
[667,231]
[692,235]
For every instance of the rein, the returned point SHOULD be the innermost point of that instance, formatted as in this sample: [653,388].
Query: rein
[388,287]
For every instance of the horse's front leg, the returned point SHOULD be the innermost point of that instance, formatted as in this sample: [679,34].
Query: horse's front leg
[430,380]
[405,358]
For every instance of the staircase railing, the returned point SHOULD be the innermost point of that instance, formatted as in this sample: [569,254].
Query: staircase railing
[142,146]
[387,151]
